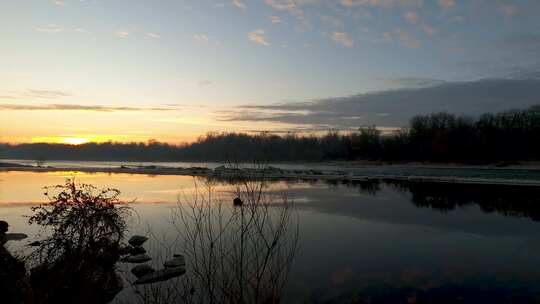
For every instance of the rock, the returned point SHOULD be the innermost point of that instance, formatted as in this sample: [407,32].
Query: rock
[125,250]
[137,250]
[139,258]
[220,168]
[161,275]
[15,236]
[35,243]
[273,170]
[137,240]
[142,270]
[177,261]
[237,202]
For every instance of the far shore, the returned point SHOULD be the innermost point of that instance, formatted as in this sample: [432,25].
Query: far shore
[344,171]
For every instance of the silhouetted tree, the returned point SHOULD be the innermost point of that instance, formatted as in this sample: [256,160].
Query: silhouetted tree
[506,136]
[75,261]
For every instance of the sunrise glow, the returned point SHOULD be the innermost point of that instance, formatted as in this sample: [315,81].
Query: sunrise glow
[282,66]
[75,140]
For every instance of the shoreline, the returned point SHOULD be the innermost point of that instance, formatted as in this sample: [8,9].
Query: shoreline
[275,173]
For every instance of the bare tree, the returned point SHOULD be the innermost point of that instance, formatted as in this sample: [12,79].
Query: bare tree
[234,254]
[237,254]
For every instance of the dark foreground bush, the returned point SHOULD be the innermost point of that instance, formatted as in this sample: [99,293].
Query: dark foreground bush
[75,260]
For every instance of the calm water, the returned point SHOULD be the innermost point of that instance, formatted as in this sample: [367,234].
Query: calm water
[399,243]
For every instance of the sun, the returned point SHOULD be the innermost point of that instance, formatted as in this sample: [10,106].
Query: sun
[75,140]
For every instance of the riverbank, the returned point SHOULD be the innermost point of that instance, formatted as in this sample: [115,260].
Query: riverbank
[458,174]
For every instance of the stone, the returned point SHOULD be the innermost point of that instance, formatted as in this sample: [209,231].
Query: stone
[139,258]
[161,275]
[220,168]
[273,170]
[142,270]
[125,250]
[137,240]
[15,236]
[177,261]
[137,250]
[237,202]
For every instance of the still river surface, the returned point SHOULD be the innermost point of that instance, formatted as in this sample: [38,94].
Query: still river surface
[388,242]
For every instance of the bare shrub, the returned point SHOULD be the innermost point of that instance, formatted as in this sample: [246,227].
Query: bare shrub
[75,260]
[236,254]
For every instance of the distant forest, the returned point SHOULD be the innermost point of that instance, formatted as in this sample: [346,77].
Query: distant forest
[439,137]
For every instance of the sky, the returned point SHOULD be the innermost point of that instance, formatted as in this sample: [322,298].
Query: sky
[172,70]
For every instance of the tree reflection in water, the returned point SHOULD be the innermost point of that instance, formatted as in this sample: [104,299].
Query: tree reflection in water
[235,254]
[516,201]
[507,200]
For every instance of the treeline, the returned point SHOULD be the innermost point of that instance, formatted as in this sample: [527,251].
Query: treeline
[108,151]
[441,137]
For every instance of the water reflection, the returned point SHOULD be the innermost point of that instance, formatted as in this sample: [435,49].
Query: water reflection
[238,253]
[517,201]
[373,241]
[514,201]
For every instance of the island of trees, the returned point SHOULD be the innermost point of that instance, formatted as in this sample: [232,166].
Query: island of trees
[439,137]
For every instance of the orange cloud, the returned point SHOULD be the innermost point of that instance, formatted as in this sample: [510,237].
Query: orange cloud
[257,36]
[342,38]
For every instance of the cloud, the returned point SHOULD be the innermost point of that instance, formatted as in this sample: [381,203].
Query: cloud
[81,30]
[47,94]
[360,2]
[414,82]
[381,3]
[331,20]
[59,3]
[417,3]
[54,29]
[394,108]
[342,38]
[153,35]
[407,39]
[193,83]
[50,28]
[201,38]
[411,16]
[35,93]
[509,10]
[447,3]
[282,5]
[257,36]
[430,30]
[205,83]
[121,33]
[239,4]
[74,107]
[291,6]
[275,19]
